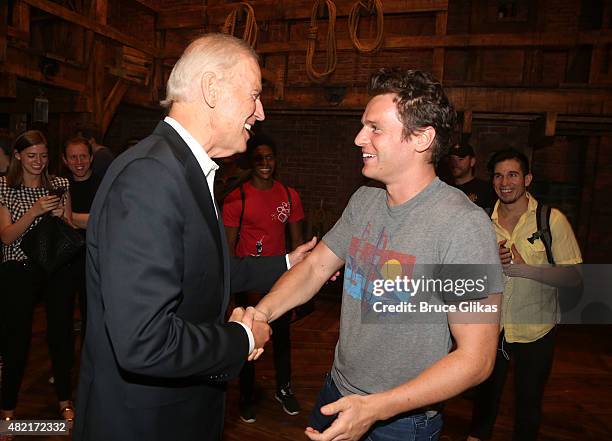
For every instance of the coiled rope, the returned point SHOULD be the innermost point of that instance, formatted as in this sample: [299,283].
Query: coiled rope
[250,27]
[331,59]
[373,7]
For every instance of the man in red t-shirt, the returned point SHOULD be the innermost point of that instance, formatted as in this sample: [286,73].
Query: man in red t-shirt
[256,216]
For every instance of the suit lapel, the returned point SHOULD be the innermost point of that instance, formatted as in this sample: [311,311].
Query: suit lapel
[197,183]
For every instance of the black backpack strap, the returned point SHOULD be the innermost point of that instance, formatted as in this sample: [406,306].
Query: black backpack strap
[543,225]
[243,203]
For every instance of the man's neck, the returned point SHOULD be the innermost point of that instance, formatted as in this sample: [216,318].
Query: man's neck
[81,179]
[409,186]
[513,210]
[262,184]
[201,130]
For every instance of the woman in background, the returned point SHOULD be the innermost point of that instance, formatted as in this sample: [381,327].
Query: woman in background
[26,194]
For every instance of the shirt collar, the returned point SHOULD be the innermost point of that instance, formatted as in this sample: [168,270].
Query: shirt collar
[532,205]
[206,164]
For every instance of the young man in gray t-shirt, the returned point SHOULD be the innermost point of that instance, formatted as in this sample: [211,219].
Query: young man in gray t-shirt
[392,365]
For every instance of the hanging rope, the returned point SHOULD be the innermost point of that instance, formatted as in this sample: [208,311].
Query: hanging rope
[331,60]
[373,7]
[250,28]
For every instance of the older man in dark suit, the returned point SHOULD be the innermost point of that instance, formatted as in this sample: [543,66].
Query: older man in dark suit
[158,349]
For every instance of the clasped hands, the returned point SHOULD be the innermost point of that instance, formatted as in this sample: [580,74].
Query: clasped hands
[258,324]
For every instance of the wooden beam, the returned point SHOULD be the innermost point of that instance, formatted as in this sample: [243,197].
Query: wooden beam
[99,11]
[551,40]
[467,121]
[589,101]
[439,53]
[551,124]
[88,23]
[192,16]
[112,102]
[34,74]
[21,17]
[149,5]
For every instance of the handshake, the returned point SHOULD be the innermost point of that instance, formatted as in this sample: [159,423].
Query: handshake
[257,321]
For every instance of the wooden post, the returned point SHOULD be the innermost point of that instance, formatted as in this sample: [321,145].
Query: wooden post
[467,121]
[439,52]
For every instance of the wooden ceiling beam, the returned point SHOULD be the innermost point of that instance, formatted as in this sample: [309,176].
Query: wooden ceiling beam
[192,16]
[550,40]
[88,23]
[582,101]
[149,5]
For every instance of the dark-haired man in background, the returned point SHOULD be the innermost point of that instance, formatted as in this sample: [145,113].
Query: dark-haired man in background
[530,308]
[390,375]
[257,215]
[462,161]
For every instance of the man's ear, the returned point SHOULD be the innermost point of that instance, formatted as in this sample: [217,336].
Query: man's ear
[424,138]
[209,86]
[472,161]
[528,179]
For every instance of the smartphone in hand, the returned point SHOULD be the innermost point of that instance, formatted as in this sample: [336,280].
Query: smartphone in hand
[59,192]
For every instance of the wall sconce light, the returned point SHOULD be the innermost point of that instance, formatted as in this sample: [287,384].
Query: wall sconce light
[41,108]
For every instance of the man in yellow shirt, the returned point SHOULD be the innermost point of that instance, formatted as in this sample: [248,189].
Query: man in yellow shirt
[530,308]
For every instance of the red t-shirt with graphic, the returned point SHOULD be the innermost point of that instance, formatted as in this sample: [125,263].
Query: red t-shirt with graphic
[266,213]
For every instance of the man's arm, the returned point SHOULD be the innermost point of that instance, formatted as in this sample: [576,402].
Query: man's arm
[301,283]
[559,276]
[470,364]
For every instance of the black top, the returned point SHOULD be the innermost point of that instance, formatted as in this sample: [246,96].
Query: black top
[83,193]
[480,192]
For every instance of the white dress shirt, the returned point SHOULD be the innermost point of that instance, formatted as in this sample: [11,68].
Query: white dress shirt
[209,167]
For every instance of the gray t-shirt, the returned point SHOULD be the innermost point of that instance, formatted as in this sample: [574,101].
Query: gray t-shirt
[378,351]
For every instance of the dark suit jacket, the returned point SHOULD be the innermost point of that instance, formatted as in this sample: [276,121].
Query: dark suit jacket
[157,350]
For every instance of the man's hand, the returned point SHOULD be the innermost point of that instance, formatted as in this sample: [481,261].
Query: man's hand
[515,266]
[505,255]
[300,253]
[259,327]
[354,419]
[261,332]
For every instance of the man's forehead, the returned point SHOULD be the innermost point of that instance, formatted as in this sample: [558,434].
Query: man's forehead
[508,165]
[380,106]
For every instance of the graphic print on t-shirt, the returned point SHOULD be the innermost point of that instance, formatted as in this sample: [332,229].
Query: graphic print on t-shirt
[370,259]
[283,211]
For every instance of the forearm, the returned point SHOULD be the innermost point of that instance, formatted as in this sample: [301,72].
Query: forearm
[294,288]
[15,230]
[557,276]
[80,220]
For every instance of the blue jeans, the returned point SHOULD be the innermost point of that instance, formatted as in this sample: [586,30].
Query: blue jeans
[404,427]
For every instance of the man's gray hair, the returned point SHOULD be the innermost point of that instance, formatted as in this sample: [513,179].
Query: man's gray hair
[210,53]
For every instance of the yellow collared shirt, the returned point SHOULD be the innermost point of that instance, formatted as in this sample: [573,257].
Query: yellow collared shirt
[530,309]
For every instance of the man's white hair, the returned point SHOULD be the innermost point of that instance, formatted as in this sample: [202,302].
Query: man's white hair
[210,53]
